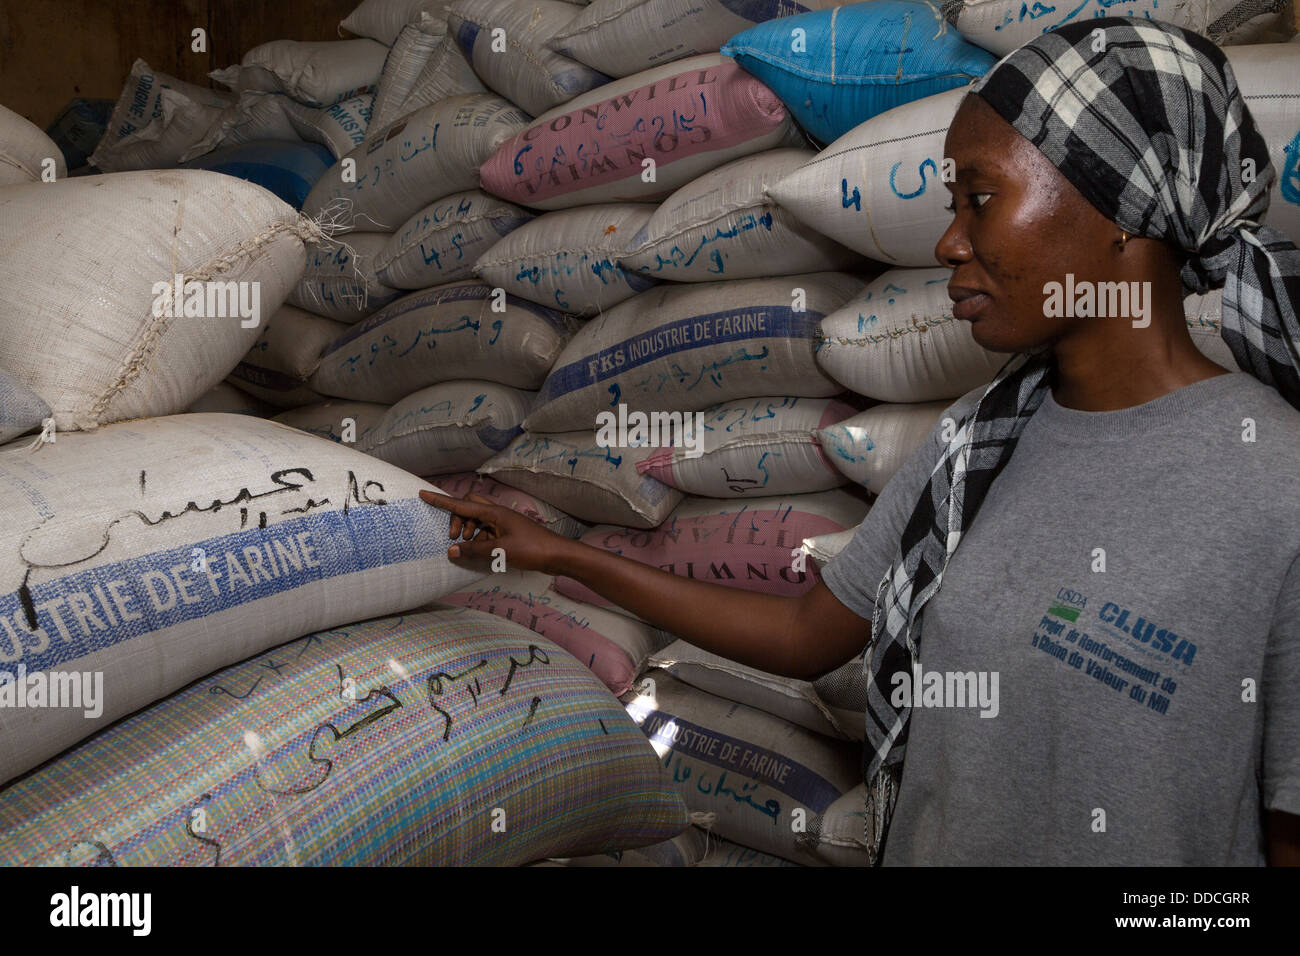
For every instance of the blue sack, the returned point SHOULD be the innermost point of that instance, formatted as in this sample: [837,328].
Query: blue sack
[287,169]
[853,62]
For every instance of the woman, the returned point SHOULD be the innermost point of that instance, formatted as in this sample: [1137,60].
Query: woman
[1126,509]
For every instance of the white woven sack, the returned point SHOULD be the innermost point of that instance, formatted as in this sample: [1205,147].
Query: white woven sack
[162,550]
[340,281]
[568,259]
[21,410]
[277,367]
[406,61]
[687,347]
[76,320]
[877,189]
[432,152]
[722,226]
[898,341]
[1269,78]
[1001,26]
[446,74]
[548,516]
[448,428]
[157,121]
[255,117]
[316,73]
[620,37]
[224,398]
[525,71]
[752,770]
[872,445]
[581,478]
[439,335]
[383,20]
[338,128]
[348,423]
[24,150]
[443,241]
[753,447]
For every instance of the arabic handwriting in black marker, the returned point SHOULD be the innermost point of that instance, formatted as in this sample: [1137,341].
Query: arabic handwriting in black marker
[435,689]
[103,856]
[532,711]
[338,735]
[189,828]
[243,496]
[218,689]
[360,492]
[535,653]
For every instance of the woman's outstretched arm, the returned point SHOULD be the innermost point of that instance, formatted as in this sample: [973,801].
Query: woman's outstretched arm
[801,637]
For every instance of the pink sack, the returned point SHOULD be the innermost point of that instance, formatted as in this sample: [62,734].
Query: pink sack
[689,116]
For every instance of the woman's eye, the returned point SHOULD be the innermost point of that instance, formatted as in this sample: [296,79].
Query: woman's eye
[977,198]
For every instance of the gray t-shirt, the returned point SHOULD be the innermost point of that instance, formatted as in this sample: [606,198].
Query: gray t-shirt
[1159,698]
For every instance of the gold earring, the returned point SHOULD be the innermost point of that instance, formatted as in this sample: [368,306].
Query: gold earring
[1123,240]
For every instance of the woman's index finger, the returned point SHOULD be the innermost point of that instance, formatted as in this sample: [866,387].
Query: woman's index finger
[460,507]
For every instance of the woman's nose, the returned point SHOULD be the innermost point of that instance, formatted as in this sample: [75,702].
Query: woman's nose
[953,247]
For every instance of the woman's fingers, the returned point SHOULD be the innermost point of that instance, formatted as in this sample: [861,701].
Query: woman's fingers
[460,507]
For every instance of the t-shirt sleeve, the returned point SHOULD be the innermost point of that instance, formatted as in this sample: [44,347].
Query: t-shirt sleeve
[854,574]
[1280,695]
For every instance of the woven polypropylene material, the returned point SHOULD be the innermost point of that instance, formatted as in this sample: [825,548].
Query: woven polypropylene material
[453,715]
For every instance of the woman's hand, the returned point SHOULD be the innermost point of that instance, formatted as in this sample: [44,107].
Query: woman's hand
[486,526]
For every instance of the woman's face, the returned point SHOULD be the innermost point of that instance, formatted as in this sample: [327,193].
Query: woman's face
[1018,224]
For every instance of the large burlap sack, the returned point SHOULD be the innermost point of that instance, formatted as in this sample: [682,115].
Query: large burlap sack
[447,73]
[547,515]
[441,334]
[383,20]
[688,117]
[224,398]
[433,152]
[339,127]
[313,73]
[872,445]
[99,255]
[723,226]
[898,341]
[620,37]
[420,766]
[277,367]
[21,410]
[24,148]
[749,545]
[876,189]
[1274,101]
[774,786]
[614,647]
[442,242]
[796,701]
[593,483]
[406,61]
[687,347]
[447,428]
[1000,26]
[754,447]
[568,259]
[340,281]
[162,549]
[506,43]
[348,423]
[159,121]
[856,61]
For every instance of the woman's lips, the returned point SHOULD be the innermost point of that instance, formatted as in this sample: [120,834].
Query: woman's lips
[968,307]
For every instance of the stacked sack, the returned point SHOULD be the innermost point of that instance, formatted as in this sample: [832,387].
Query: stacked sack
[658,276]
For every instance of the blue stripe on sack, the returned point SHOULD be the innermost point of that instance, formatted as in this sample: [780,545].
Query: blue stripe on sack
[802,783]
[497,438]
[268,378]
[466,33]
[782,322]
[367,537]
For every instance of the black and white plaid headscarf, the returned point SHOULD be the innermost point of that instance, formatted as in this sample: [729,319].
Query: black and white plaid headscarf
[1153,132]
